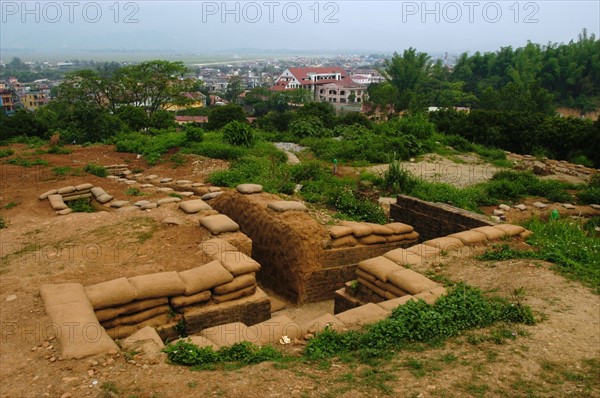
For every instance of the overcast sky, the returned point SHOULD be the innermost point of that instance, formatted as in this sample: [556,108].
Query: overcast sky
[205,27]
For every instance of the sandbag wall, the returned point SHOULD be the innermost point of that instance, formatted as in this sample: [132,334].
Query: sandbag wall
[385,278]
[302,260]
[351,234]
[58,197]
[125,305]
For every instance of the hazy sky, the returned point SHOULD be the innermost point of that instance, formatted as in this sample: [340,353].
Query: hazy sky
[206,27]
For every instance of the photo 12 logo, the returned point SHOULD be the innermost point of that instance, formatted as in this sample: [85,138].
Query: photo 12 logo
[469,11]
[69,11]
[269,11]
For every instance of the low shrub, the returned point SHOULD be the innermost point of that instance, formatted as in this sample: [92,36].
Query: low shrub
[6,152]
[591,193]
[349,205]
[81,206]
[238,134]
[3,222]
[244,353]
[463,308]
[95,169]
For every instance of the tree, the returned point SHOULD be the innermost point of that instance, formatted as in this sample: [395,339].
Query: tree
[220,116]
[406,74]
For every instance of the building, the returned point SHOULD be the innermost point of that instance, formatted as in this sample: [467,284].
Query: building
[7,96]
[328,84]
[33,100]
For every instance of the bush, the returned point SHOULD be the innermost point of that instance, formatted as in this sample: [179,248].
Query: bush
[396,179]
[308,127]
[591,193]
[3,222]
[6,152]
[216,150]
[95,169]
[193,134]
[244,353]
[222,115]
[463,308]
[238,134]
[357,209]
[81,206]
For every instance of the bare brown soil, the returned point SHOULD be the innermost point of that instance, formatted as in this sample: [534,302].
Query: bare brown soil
[557,357]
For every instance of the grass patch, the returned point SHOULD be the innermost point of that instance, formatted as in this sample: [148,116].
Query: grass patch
[568,244]
[19,161]
[82,206]
[463,308]
[63,171]
[6,152]
[3,222]
[10,205]
[96,170]
[134,192]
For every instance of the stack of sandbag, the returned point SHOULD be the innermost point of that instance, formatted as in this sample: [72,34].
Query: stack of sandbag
[198,283]
[101,195]
[72,314]
[126,305]
[350,233]
[373,274]
[117,170]
[243,269]
[82,191]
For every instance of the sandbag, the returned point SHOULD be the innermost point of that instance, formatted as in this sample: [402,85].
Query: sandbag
[365,275]
[510,229]
[430,296]
[390,305]
[490,232]
[248,189]
[411,235]
[67,198]
[104,198]
[219,223]
[194,206]
[205,277]
[228,334]
[84,187]
[136,318]
[445,243]
[239,282]
[131,308]
[77,328]
[380,266]
[287,205]
[424,251]
[237,263]
[411,281]
[371,286]
[98,191]
[389,287]
[248,291]
[272,330]
[121,331]
[399,228]
[57,202]
[111,293]
[48,193]
[213,246]
[165,201]
[339,231]
[379,229]
[372,239]
[469,237]
[358,229]
[66,190]
[363,315]
[146,333]
[161,284]
[317,325]
[183,301]
[394,238]
[402,256]
[345,241]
